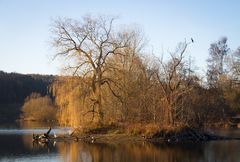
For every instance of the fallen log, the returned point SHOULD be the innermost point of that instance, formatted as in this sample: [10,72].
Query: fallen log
[47,137]
[44,138]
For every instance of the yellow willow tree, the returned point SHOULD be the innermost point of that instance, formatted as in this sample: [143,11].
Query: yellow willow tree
[72,96]
[87,44]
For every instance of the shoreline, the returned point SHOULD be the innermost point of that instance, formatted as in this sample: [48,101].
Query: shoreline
[174,136]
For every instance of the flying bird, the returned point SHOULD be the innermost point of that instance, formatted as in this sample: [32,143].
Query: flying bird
[192,40]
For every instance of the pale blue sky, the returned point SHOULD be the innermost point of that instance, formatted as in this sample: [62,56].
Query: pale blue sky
[25,24]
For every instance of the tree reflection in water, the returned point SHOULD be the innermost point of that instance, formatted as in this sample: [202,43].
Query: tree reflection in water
[145,152]
[224,151]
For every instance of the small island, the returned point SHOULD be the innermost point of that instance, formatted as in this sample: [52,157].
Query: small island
[119,81]
[112,88]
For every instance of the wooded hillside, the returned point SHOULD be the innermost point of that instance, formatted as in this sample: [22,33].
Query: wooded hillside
[14,88]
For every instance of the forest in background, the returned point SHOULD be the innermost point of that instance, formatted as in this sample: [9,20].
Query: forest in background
[15,88]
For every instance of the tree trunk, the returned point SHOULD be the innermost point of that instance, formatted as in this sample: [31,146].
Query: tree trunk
[170,115]
[99,100]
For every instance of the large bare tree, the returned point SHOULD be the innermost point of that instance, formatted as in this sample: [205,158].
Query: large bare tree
[88,44]
[174,81]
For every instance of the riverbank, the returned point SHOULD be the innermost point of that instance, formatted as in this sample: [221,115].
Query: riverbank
[170,135]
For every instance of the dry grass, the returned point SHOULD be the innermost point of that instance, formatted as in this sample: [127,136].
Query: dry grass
[140,129]
[148,130]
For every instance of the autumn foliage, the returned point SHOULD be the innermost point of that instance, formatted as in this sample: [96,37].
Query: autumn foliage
[39,108]
[111,81]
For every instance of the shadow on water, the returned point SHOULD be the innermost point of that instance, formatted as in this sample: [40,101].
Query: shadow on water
[18,146]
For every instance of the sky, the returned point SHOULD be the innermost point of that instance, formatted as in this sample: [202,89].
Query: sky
[25,27]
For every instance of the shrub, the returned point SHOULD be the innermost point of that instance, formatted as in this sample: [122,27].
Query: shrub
[39,108]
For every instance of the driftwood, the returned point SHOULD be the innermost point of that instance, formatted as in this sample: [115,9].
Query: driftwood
[48,138]
[44,138]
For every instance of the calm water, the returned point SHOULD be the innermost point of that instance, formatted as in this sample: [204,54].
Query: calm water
[16,145]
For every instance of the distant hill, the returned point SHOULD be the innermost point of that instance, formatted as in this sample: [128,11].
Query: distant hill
[15,87]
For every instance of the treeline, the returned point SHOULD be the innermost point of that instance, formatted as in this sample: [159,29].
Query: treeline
[14,87]
[116,82]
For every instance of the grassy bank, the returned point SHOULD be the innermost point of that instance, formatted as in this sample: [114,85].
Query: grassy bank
[148,132]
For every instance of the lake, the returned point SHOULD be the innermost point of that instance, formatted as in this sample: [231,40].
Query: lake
[16,145]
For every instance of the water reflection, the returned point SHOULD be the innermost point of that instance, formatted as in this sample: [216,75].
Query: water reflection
[18,146]
[128,152]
